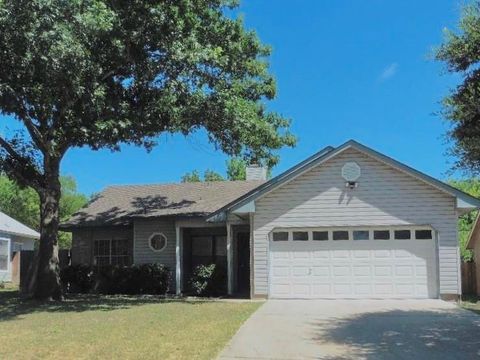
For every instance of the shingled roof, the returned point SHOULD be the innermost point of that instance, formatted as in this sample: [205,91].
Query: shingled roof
[117,205]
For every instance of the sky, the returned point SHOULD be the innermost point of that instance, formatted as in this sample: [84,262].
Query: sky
[359,70]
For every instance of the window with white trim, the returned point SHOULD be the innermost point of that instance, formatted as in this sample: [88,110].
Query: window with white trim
[402,234]
[340,235]
[361,235]
[4,254]
[423,234]
[157,242]
[111,252]
[300,236]
[280,236]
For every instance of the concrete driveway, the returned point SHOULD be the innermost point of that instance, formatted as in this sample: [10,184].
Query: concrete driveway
[357,329]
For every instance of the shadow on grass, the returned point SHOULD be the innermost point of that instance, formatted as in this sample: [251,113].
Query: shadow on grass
[12,306]
[400,334]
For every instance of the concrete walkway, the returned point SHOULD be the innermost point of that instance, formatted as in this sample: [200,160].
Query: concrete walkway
[357,329]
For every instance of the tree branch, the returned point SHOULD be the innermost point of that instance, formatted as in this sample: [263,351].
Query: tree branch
[33,179]
[36,135]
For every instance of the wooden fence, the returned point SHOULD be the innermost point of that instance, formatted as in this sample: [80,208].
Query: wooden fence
[26,262]
[469,279]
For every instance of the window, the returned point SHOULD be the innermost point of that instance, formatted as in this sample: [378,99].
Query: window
[3,255]
[202,246]
[361,235]
[340,235]
[280,236]
[381,234]
[423,234]
[157,242]
[402,234]
[320,235]
[111,252]
[300,236]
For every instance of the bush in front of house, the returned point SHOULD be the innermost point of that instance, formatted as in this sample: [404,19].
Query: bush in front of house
[77,278]
[136,279]
[130,280]
[209,280]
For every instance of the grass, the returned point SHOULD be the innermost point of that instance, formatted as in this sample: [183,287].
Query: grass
[472,304]
[117,327]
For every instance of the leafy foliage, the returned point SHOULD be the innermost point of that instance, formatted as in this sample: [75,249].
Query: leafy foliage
[23,204]
[133,280]
[208,280]
[236,170]
[461,53]
[97,73]
[466,221]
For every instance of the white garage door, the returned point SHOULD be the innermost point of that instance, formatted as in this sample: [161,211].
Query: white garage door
[353,263]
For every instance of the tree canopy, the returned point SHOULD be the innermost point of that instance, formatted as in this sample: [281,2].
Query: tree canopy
[461,54]
[236,170]
[98,73]
[466,221]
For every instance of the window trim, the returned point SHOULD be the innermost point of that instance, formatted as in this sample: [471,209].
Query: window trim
[289,232]
[110,256]
[303,232]
[350,229]
[152,236]
[9,245]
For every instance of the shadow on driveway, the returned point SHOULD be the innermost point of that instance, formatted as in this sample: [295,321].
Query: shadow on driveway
[402,334]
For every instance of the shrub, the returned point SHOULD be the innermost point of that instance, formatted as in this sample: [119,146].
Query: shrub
[136,279]
[209,280]
[77,278]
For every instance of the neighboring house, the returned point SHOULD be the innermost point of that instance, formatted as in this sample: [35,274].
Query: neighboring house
[474,245]
[348,222]
[14,237]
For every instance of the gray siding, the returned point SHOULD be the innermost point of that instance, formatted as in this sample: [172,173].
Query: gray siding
[385,196]
[143,229]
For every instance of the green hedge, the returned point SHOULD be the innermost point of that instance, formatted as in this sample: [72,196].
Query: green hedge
[131,280]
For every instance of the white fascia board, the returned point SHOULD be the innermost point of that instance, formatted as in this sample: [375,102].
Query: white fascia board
[245,208]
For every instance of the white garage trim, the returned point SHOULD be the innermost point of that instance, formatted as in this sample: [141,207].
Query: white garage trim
[398,267]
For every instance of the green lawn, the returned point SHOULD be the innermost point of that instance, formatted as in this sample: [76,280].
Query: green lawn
[117,327]
[472,304]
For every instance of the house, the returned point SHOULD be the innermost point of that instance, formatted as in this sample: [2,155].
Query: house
[473,244]
[348,222]
[14,237]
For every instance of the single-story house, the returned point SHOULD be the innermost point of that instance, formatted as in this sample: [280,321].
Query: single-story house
[473,243]
[14,237]
[348,222]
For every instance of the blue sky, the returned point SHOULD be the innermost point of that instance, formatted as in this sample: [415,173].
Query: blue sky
[344,69]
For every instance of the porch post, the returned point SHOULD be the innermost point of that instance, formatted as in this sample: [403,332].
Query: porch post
[178,262]
[229,259]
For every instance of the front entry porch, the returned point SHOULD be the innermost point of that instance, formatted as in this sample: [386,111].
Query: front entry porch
[228,247]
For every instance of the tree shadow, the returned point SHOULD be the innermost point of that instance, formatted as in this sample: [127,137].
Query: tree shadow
[400,334]
[12,306]
[138,206]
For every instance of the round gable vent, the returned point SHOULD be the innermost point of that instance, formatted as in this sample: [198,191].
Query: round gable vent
[351,171]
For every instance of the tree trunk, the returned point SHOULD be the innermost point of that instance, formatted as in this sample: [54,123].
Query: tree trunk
[45,277]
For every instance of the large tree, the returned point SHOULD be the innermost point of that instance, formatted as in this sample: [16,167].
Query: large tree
[461,53]
[98,73]
[23,204]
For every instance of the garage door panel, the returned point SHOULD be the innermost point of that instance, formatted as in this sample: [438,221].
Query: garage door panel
[353,269]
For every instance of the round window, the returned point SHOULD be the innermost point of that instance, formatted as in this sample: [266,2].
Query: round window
[157,242]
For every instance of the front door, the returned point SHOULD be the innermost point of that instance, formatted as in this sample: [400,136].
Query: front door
[243,263]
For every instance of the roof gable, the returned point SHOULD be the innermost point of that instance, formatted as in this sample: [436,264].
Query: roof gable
[9,225]
[464,201]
